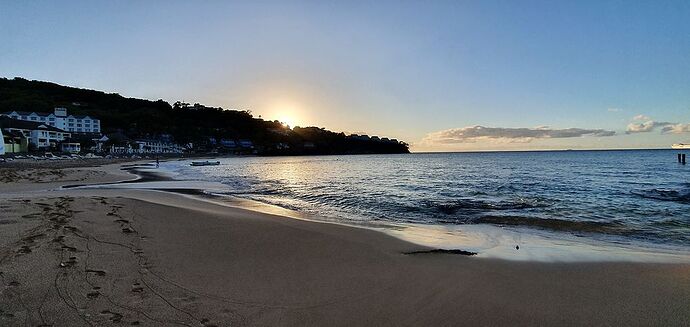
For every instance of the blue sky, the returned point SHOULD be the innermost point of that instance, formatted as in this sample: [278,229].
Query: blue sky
[424,72]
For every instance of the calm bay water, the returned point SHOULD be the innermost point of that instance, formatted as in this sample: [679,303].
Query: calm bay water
[615,195]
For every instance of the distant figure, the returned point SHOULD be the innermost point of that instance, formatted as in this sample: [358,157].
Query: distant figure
[158,163]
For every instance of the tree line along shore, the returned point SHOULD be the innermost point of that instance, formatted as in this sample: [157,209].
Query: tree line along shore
[138,126]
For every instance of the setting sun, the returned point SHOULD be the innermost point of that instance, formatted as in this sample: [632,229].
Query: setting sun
[286,112]
[287,120]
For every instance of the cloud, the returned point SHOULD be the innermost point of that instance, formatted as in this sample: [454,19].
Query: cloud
[676,129]
[645,127]
[644,124]
[473,134]
[614,109]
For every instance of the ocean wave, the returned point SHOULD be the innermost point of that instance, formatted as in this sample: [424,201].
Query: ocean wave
[474,205]
[646,198]
[673,223]
[556,224]
[682,196]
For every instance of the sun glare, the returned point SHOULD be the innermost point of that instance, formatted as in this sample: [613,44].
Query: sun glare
[286,112]
[287,120]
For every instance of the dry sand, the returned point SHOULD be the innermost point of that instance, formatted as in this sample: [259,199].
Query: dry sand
[128,257]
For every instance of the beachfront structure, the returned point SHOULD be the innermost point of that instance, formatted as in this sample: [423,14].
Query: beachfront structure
[157,146]
[230,144]
[13,142]
[246,144]
[145,146]
[70,147]
[40,135]
[59,119]
[372,138]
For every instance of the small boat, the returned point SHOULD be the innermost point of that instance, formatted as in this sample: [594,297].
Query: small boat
[205,163]
[681,146]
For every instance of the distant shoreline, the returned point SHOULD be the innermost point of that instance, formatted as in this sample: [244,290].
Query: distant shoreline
[547,150]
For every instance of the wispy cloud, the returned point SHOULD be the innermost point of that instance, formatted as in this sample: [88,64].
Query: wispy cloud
[614,109]
[641,117]
[473,134]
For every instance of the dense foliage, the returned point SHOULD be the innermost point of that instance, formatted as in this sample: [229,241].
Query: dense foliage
[198,124]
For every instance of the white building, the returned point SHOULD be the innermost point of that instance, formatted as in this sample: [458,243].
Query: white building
[40,135]
[60,119]
[157,146]
[144,146]
[70,147]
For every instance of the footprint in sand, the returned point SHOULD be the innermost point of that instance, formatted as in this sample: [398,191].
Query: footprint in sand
[96,271]
[128,230]
[69,248]
[93,294]
[24,249]
[33,238]
[69,263]
[114,316]
[32,215]
[207,323]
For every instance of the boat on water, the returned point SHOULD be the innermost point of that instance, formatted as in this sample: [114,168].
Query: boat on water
[205,163]
[681,146]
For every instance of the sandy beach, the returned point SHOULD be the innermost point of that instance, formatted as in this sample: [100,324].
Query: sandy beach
[91,257]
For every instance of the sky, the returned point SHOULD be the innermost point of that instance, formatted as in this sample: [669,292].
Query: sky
[440,75]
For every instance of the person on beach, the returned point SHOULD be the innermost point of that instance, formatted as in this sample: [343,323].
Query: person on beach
[158,163]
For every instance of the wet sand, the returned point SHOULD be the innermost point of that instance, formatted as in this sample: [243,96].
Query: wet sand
[126,257]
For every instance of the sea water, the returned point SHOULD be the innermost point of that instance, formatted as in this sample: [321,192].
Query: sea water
[631,197]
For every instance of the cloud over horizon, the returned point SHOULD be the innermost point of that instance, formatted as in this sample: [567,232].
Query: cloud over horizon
[645,127]
[650,125]
[471,134]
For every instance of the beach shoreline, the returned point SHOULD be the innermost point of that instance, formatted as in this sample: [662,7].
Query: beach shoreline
[484,240]
[101,256]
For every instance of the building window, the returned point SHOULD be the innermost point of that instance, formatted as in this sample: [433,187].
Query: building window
[33,118]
